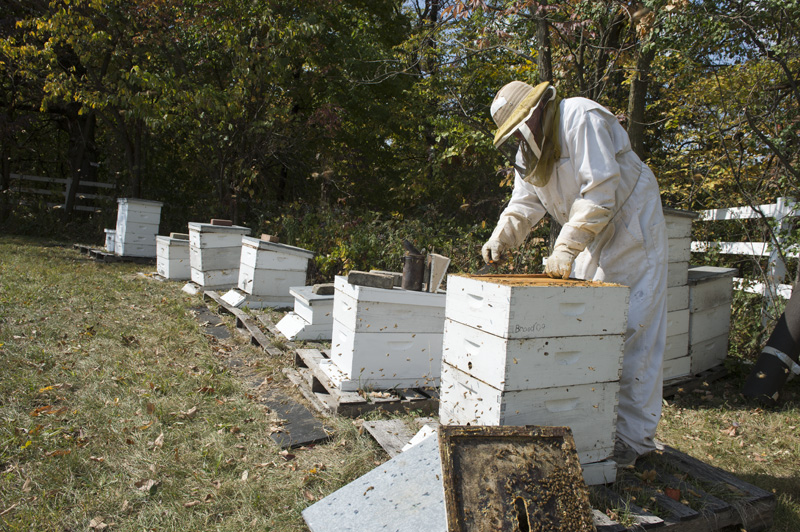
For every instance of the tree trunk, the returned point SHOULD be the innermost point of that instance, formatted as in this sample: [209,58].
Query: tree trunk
[544,60]
[133,135]
[83,153]
[637,99]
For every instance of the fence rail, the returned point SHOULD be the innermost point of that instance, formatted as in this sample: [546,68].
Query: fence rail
[19,182]
[780,211]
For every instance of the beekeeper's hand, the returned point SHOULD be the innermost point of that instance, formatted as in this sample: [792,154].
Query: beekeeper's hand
[493,250]
[559,264]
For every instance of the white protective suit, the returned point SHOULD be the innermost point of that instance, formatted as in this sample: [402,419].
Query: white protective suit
[608,202]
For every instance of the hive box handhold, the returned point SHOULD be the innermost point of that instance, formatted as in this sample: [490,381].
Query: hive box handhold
[270,238]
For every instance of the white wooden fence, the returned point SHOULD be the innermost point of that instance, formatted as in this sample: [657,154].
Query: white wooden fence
[32,184]
[780,211]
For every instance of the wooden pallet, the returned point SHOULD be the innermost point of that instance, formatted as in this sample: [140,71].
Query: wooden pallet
[245,323]
[709,499]
[692,382]
[105,256]
[315,385]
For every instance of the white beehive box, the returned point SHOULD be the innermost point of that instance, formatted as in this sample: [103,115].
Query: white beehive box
[590,410]
[532,363]
[111,238]
[710,297]
[137,227]
[312,318]
[214,254]
[172,258]
[522,349]
[527,306]
[268,271]
[385,338]
[679,240]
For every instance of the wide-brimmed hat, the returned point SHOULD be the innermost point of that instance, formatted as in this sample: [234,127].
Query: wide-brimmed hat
[512,105]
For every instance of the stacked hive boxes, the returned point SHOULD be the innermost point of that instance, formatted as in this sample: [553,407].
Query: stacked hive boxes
[268,270]
[710,296]
[679,236]
[312,318]
[529,350]
[214,254]
[385,338]
[137,227]
[172,259]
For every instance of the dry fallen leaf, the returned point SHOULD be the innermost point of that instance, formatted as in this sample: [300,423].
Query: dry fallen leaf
[245,474]
[672,493]
[287,455]
[151,408]
[26,486]
[97,523]
[159,441]
[649,475]
[191,503]
[310,496]
[147,484]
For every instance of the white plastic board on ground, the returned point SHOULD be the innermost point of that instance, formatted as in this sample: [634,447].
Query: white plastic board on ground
[294,327]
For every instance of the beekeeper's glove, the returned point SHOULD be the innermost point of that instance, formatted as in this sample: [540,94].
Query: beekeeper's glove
[559,264]
[493,250]
[586,220]
[511,230]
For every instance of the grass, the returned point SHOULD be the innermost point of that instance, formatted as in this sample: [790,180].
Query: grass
[116,410]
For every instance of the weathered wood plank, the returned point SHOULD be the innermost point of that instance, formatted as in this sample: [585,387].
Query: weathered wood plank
[709,473]
[603,523]
[391,434]
[639,515]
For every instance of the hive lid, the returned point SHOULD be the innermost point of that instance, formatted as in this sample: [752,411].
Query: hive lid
[669,211]
[306,294]
[535,279]
[276,247]
[208,228]
[513,478]
[137,201]
[707,273]
[172,240]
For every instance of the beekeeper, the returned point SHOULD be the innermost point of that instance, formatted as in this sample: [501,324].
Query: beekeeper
[575,162]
